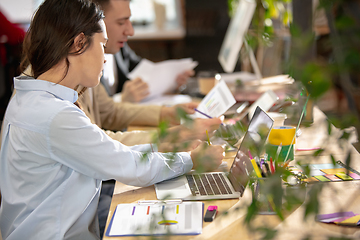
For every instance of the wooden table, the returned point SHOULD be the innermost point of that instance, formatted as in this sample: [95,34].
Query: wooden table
[335,197]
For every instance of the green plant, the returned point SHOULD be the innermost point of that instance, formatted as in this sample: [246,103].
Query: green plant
[315,76]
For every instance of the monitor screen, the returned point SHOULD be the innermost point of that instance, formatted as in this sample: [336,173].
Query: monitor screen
[239,24]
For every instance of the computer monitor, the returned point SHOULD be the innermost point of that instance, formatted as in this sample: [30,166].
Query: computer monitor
[234,37]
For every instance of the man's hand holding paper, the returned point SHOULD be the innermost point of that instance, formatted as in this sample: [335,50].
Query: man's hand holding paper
[134,91]
[163,77]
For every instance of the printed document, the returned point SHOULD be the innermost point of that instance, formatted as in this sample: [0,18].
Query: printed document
[217,101]
[185,218]
[161,77]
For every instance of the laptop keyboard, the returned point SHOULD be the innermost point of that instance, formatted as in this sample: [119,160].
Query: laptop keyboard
[208,184]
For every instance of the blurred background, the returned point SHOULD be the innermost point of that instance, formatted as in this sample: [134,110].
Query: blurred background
[174,29]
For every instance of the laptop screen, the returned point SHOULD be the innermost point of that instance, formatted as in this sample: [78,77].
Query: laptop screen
[251,146]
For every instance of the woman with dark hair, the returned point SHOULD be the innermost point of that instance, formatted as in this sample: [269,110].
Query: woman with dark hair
[52,159]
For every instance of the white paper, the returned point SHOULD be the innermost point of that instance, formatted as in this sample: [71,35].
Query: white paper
[265,102]
[167,100]
[243,76]
[250,78]
[135,219]
[161,77]
[217,101]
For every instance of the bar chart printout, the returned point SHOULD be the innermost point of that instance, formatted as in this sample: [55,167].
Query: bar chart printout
[156,219]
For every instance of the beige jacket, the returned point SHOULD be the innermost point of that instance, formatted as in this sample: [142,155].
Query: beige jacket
[113,117]
[104,112]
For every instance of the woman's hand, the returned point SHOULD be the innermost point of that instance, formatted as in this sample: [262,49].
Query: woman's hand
[207,157]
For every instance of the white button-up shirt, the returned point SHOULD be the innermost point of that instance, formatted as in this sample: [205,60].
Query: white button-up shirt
[52,162]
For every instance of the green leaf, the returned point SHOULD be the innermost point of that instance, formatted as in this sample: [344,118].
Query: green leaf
[318,152]
[333,160]
[329,127]
[269,233]
[312,204]
[316,79]
[252,210]
[348,159]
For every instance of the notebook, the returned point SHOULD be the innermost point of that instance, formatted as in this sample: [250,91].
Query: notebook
[222,185]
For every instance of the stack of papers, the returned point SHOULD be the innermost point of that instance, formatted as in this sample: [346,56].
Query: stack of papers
[251,79]
[161,77]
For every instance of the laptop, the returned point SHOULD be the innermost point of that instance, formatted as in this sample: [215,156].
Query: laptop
[222,185]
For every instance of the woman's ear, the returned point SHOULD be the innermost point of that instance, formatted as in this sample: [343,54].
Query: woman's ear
[79,42]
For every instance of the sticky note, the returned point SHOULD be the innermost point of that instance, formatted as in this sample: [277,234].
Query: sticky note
[311,179]
[334,217]
[333,178]
[344,176]
[325,166]
[316,172]
[322,178]
[352,221]
[354,176]
[334,170]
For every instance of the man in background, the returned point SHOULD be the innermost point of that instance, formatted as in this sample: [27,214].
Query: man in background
[121,59]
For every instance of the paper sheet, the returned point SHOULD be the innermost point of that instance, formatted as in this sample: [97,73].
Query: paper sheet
[217,101]
[165,100]
[161,77]
[156,219]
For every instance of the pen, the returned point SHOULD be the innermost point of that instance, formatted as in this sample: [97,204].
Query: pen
[197,110]
[272,165]
[202,113]
[287,163]
[142,202]
[256,168]
[207,135]
[262,163]
[250,154]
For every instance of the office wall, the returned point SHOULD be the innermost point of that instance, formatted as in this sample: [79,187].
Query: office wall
[19,11]
[206,22]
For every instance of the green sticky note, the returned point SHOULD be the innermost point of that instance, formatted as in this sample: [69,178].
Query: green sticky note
[343,176]
[322,178]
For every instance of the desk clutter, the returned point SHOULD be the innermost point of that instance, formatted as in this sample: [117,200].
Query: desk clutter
[329,172]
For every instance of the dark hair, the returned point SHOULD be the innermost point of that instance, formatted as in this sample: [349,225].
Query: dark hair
[102,3]
[105,3]
[52,32]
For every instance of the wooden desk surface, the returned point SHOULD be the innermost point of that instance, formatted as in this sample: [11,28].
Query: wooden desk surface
[335,197]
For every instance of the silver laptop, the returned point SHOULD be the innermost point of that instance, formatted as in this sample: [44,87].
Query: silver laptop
[222,185]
